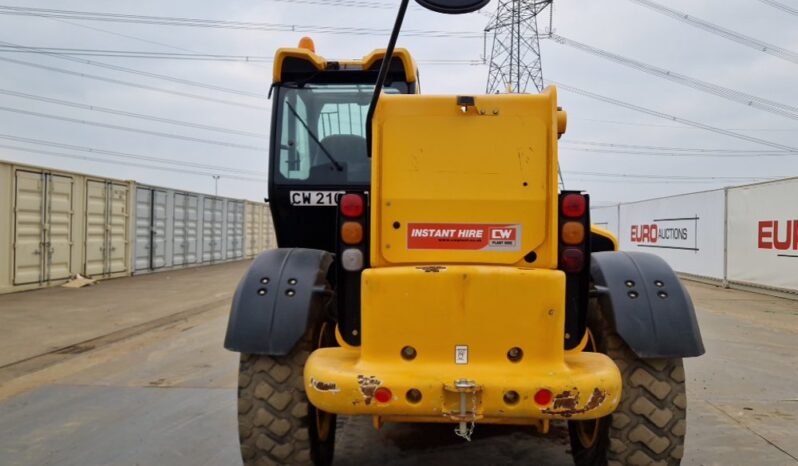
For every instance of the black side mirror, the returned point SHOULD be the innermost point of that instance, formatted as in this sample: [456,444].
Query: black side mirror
[453,7]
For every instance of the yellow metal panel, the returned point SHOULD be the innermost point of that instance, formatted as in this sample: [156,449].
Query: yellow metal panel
[303,54]
[411,69]
[320,63]
[490,309]
[485,309]
[605,233]
[493,164]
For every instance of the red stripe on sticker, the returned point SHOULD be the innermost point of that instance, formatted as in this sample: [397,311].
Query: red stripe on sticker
[463,236]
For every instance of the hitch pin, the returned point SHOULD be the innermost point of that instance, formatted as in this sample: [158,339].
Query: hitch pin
[463,429]
[464,387]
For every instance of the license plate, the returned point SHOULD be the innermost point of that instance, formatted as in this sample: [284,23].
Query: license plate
[315,198]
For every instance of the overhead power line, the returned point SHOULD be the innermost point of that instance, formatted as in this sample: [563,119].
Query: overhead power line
[780,6]
[669,177]
[654,125]
[191,56]
[130,84]
[98,124]
[126,155]
[762,46]
[224,24]
[666,116]
[673,154]
[645,182]
[666,148]
[182,171]
[726,93]
[353,4]
[187,82]
[343,3]
[112,111]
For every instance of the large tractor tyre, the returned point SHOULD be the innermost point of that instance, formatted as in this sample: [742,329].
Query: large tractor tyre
[277,425]
[649,426]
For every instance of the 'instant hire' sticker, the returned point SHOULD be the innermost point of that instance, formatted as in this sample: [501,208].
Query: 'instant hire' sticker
[464,236]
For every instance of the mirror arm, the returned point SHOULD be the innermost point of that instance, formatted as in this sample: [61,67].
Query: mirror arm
[384,67]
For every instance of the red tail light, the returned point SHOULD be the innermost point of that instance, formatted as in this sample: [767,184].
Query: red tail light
[543,397]
[574,205]
[351,205]
[572,260]
[383,395]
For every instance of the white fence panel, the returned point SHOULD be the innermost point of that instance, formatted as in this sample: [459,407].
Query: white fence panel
[687,231]
[606,217]
[763,235]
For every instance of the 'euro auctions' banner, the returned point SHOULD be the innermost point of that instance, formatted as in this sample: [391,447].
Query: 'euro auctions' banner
[763,235]
[687,231]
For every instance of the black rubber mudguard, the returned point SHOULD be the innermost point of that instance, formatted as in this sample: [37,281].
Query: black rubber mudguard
[283,292]
[647,303]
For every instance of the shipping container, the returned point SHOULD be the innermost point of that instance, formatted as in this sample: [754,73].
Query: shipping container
[688,231]
[763,235]
[267,229]
[212,233]
[185,240]
[58,224]
[234,229]
[107,228]
[253,228]
[259,229]
[176,229]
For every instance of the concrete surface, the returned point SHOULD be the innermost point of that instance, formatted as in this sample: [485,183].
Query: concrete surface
[166,395]
[50,319]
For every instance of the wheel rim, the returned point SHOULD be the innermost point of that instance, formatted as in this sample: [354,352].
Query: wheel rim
[324,420]
[588,431]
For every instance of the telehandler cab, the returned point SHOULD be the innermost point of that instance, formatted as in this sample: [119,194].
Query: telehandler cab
[429,270]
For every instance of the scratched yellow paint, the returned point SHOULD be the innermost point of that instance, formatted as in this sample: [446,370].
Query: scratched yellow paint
[488,164]
[489,309]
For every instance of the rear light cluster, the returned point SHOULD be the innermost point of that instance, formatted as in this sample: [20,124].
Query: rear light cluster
[352,235]
[574,224]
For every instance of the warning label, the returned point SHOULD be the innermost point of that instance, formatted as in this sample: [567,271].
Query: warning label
[464,236]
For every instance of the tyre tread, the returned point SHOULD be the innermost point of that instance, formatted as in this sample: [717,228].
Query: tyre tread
[273,409]
[653,405]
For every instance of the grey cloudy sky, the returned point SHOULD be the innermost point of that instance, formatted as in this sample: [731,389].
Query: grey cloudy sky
[619,26]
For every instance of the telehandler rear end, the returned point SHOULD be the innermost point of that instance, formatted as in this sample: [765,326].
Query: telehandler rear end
[430,270]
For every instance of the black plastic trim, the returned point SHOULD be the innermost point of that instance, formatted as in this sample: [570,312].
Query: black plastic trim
[647,303]
[270,318]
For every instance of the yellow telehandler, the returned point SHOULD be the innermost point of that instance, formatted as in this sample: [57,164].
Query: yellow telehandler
[430,270]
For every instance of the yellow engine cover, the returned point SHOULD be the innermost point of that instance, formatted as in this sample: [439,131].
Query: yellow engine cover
[474,184]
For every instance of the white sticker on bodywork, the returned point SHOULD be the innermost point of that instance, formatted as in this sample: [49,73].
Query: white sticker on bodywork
[461,354]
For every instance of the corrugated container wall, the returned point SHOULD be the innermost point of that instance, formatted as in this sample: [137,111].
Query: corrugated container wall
[258,229]
[687,231]
[57,224]
[176,229]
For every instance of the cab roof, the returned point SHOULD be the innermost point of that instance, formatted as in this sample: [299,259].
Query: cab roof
[290,62]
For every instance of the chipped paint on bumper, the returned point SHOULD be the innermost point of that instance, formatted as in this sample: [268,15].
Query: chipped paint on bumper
[481,310]
[587,386]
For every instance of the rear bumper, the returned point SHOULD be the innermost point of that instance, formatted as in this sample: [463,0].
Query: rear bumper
[485,310]
[587,386]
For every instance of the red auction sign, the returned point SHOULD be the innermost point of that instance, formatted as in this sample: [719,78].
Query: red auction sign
[464,236]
